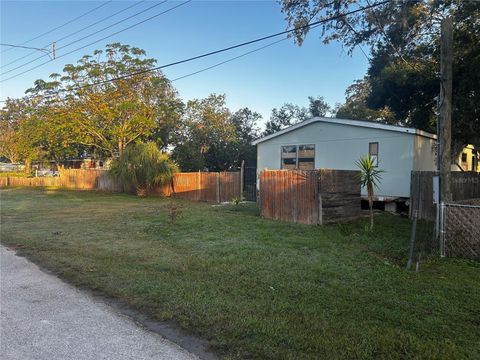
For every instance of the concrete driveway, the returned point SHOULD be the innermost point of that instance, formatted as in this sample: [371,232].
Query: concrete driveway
[44,318]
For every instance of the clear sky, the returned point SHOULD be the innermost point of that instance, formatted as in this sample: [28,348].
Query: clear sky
[281,73]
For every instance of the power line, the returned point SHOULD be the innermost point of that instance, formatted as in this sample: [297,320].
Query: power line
[27,47]
[65,24]
[229,60]
[241,44]
[76,32]
[233,58]
[335,17]
[85,37]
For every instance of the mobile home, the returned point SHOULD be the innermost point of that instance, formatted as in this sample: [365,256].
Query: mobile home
[338,144]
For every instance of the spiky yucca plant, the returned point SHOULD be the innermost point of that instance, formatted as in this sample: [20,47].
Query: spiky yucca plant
[370,178]
[144,167]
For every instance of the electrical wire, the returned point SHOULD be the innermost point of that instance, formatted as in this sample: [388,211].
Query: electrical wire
[233,58]
[26,47]
[229,60]
[76,32]
[338,16]
[86,37]
[65,24]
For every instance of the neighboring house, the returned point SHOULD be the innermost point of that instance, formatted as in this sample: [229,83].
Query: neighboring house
[86,163]
[337,144]
[50,167]
[468,160]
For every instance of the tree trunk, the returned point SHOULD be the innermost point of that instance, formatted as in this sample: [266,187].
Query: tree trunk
[142,191]
[370,203]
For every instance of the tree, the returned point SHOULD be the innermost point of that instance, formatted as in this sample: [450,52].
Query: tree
[318,107]
[206,132]
[213,138]
[114,98]
[356,108]
[403,75]
[370,178]
[290,114]
[396,24]
[245,122]
[14,144]
[143,166]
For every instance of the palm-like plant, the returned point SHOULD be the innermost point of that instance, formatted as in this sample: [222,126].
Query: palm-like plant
[370,178]
[143,166]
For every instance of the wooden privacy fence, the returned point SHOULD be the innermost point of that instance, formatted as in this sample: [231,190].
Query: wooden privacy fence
[465,185]
[68,178]
[197,186]
[205,186]
[310,197]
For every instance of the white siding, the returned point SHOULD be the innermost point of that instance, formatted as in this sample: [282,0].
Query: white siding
[339,146]
[424,156]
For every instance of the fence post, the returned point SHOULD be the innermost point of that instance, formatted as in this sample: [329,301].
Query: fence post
[442,229]
[199,197]
[318,180]
[218,187]
[412,239]
[242,172]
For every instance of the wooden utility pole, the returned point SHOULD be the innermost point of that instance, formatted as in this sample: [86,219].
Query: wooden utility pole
[445,118]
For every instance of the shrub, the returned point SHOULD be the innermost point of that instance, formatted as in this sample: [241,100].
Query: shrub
[143,166]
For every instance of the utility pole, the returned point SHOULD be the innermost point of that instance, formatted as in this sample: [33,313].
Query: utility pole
[445,117]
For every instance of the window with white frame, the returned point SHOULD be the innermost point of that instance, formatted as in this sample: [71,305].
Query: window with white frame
[301,157]
[373,152]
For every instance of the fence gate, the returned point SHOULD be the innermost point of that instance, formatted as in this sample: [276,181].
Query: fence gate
[290,196]
[460,230]
[250,183]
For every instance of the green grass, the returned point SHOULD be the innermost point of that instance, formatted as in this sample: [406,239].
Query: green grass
[254,288]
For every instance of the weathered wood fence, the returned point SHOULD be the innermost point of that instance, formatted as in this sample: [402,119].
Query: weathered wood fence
[197,186]
[204,186]
[465,185]
[310,197]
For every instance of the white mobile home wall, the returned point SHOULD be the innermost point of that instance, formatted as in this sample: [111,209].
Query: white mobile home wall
[339,146]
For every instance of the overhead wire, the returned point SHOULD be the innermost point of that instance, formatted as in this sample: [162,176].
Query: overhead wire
[229,60]
[65,24]
[87,36]
[76,32]
[233,58]
[334,17]
[26,47]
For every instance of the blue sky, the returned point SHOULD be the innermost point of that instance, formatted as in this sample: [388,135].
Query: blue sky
[261,81]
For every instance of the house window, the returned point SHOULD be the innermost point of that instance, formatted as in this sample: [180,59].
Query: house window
[300,157]
[373,152]
[289,157]
[306,157]
[464,157]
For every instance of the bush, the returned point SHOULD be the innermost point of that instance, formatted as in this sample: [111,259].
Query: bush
[143,166]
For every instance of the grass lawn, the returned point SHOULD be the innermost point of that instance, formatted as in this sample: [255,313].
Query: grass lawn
[254,288]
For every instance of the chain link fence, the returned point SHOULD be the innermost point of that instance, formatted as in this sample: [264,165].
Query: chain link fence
[460,229]
[423,241]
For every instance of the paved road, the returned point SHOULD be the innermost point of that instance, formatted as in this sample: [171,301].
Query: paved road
[44,318]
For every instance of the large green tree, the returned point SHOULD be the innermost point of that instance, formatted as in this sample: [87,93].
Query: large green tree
[213,138]
[290,114]
[15,144]
[403,77]
[113,98]
[245,122]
